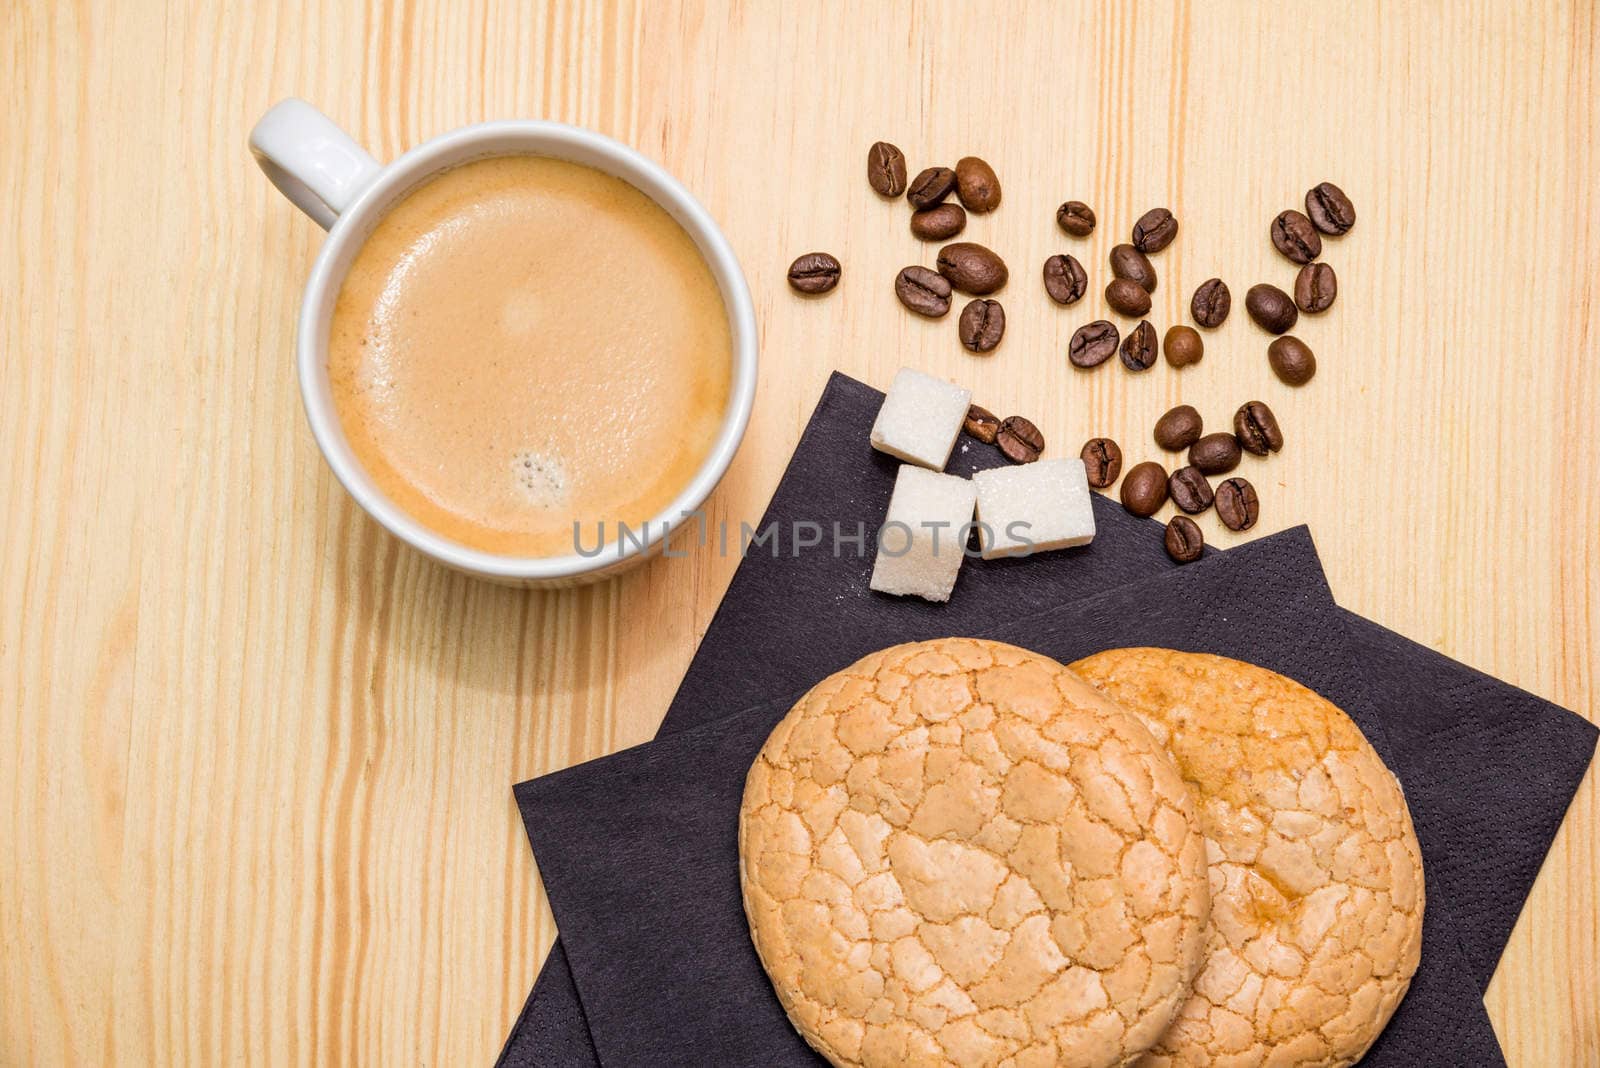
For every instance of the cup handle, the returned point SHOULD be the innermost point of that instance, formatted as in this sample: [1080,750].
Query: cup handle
[311,161]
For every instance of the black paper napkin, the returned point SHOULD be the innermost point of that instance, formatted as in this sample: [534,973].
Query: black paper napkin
[1503,766]
[639,855]
[766,638]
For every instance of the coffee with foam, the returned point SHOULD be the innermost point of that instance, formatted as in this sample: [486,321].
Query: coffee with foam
[524,344]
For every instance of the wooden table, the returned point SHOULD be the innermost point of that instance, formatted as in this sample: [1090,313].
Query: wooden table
[256,758]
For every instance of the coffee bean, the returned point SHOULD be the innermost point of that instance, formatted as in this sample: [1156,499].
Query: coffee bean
[1102,461]
[1292,360]
[1237,504]
[1075,218]
[886,169]
[1127,298]
[1315,287]
[982,424]
[1178,428]
[1065,279]
[1019,439]
[1139,348]
[1128,262]
[1257,429]
[813,273]
[1215,454]
[982,325]
[1271,308]
[1330,210]
[977,185]
[1183,346]
[1183,540]
[1093,343]
[972,268]
[1211,303]
[1144,488]
[923,291]
[938,223]
[1190,490]
[1295,237]
[1155,230]
[930,186]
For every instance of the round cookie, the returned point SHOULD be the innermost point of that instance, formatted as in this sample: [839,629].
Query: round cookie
[1316,875]
[956,852]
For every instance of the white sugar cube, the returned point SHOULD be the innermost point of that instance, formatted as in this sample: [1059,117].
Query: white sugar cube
[920,419]
[924,536]
[1034,507]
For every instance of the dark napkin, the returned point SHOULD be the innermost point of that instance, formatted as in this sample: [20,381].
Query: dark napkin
[1501,767]
[639,856]
[765,639]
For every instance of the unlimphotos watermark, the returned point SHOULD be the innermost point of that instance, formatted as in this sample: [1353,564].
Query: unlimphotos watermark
[798,536]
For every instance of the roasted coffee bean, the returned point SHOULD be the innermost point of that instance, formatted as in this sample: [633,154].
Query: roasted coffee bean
[1330,210]
[1102,460]
[1128,262]
[1075,218]
[813,273]
[1183,346]
[1065,279]
[1257,429]
[886,169]
[1155,230]
[977,185]
[1292,360]
[1140,347]
[1216,454]
[982,325]
[1019,439]
[982,424]
[923,291]
[1295,237]
[1183,540]
[1127,298]
[939,223]
[1211,303]
[1144,488]
[1190,490]
[1271,308]
[1315,287]
[1178,428]
[930,186]
[1093,343]
[972,268]
[1237,504]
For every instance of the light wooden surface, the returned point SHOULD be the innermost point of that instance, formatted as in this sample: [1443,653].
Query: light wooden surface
[256,758]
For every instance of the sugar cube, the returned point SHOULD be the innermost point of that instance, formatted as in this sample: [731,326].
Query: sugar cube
[1034,507]
[924,536]
[920,419]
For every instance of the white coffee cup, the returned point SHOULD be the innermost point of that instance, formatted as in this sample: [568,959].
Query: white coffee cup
[332,179]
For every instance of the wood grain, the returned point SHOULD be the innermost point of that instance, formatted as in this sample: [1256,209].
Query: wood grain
[255,757]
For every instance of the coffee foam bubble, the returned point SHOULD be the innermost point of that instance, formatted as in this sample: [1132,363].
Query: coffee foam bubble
[541,477]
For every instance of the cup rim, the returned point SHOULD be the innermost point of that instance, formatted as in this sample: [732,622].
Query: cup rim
[650,178]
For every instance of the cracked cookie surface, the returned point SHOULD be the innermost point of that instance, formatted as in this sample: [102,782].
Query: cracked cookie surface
[957,852]
[1316,875]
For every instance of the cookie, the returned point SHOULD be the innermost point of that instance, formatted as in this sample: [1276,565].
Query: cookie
[1316,875]
[956,852]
